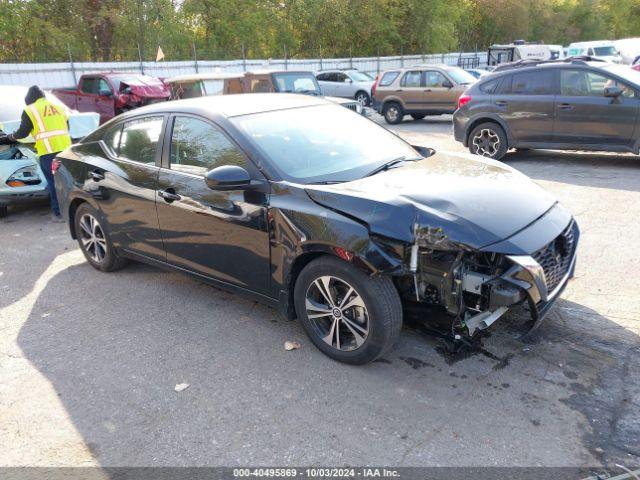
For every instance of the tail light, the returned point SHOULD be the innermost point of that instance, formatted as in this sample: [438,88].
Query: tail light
[375,85]
[55,165]
[463,100]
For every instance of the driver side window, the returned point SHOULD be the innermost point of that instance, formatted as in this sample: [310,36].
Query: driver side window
[197,147]
[583,83]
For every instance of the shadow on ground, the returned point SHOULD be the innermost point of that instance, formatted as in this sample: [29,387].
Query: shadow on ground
[124,340]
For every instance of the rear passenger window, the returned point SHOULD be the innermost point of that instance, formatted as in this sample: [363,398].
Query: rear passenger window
[412,79]
[489,87]
[112,139]
[388,78]
[539,82]
[139,140]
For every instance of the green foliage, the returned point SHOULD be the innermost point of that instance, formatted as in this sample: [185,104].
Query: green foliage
[48,30]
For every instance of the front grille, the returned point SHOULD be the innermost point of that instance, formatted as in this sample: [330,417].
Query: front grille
[555,258]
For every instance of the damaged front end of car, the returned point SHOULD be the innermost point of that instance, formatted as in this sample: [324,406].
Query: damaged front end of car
[476,287]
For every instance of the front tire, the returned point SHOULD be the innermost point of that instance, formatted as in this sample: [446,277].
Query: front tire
[363,98]
[94,240]
[488,140]
[350,316]
[393,113]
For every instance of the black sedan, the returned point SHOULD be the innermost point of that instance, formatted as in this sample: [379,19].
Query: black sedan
[318,211]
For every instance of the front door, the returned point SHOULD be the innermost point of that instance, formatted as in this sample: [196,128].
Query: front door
[440,94]
[526,102]
[218,234]
[585,116]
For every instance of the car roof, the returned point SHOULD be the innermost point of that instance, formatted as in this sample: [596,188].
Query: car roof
[268,72]
[233,105]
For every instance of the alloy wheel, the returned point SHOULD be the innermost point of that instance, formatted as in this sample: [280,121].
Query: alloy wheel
[337,313]
[362,99]
[92,238]
[392,114]
[486,143]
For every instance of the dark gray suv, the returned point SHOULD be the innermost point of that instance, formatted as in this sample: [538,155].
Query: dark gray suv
[564,105]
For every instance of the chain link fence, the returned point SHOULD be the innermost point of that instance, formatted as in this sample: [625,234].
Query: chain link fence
[56,75]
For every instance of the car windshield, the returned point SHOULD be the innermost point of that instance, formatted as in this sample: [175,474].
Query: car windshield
[360,76]
[605,51]
[461,77]
[324,143]
[297,83]
[213,87]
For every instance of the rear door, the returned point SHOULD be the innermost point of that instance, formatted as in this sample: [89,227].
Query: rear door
[218,234]
[585,116]
[525,101]
[412,91]
[326,82]
[87,94]
[124,184]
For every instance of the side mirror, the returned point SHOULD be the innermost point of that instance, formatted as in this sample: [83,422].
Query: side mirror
[612,92]
[447,84]
[348,80]
[425,152]
[227,177]
[105,93]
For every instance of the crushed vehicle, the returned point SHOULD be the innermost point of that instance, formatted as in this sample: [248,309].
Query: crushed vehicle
[198,85]
[327,216]
[21,179]
[112,93]
[284,81]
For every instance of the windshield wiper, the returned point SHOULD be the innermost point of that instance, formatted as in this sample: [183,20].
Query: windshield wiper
[391,163]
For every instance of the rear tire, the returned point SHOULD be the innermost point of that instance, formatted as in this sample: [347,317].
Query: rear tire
[94,240]
[418,116]
[350,316]
[393,113]
[488,140]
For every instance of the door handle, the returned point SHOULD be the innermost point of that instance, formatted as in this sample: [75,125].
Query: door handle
[398,91]
[427,90]
[97,175]
[565,106]
[169,195]
[501,103]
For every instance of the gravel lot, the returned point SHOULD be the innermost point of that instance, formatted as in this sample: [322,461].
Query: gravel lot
[89,361]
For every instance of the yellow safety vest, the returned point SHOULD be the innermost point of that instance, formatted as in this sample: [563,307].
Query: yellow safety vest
[50,129]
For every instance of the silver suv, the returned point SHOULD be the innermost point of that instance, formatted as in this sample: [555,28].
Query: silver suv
[346,83]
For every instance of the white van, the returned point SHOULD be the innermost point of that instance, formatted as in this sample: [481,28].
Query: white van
[518,51]
[602,49]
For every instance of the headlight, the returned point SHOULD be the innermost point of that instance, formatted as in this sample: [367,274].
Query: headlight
[24,176]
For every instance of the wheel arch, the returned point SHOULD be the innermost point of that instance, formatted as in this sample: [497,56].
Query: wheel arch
[488,119]
[74,204]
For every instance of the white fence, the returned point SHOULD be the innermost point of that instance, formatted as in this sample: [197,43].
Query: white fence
[56,75]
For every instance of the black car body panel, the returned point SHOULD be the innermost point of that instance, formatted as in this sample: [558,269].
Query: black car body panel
[452,230]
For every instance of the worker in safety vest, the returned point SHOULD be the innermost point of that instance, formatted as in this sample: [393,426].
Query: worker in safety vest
[46,122]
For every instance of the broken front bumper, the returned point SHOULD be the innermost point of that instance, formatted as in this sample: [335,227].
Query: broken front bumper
[538,279]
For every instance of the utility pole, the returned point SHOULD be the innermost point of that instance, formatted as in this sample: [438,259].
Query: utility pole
[73,68]
[244,58]
[140,58]
[195,57]
[286,59]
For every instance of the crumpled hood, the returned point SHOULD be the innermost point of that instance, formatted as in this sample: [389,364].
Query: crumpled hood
[474,201]
[147,90]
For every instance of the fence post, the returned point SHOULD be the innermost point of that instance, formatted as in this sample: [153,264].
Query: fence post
[73,68]
[442,58]
[378,61]
[321,58]
[401,56]
[244,59]
[286,59]
[195,57]
[350,57]
[140,58]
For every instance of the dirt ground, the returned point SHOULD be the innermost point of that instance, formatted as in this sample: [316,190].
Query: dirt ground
[89,361]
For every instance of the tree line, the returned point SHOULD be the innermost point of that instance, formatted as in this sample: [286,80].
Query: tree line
[118,30]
